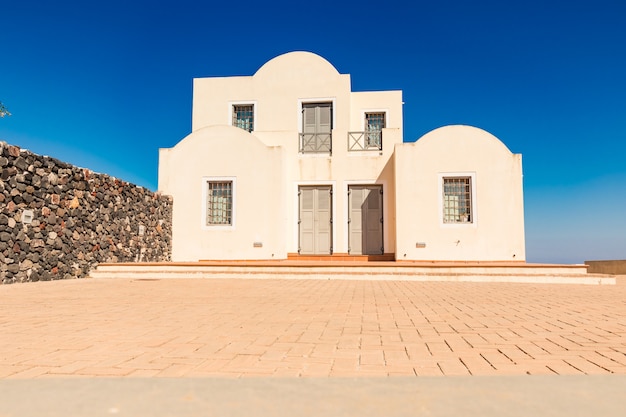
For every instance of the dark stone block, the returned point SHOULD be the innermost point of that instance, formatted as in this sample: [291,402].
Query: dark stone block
[8,172]
[21,163]
[33,256]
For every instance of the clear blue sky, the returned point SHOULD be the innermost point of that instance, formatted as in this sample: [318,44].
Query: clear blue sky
[103,85]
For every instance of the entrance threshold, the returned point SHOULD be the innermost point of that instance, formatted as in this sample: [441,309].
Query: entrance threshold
[342,257]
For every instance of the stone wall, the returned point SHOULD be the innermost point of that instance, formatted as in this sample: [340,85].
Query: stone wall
[616,267]
[57,221]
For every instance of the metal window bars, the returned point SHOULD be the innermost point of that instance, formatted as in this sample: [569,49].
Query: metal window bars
[243,117]
[457,200]
[219,210]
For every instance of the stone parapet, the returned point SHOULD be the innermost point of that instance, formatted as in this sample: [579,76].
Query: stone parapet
[57,221]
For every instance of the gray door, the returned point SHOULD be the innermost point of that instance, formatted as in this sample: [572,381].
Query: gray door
[315,220]
[365,220]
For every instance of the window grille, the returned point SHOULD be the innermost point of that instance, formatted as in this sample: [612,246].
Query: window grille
[457,200]
[243,117]
[374,125]
[219,203]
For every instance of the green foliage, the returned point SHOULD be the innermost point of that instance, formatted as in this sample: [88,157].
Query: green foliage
[3,110]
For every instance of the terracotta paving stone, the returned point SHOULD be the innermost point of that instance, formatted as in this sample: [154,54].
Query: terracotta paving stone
[453,367]
[563,368]
[372,357]
[246,327]
[476,364]
[428,371]
[617,357]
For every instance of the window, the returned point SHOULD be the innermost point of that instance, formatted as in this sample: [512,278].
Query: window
[243,116]
[374,125]
[219,203]
[317,125]
[457,200]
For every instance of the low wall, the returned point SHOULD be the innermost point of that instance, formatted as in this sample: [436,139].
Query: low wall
[617,267]
[57,221]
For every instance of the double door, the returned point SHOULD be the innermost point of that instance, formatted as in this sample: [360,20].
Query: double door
[365,220]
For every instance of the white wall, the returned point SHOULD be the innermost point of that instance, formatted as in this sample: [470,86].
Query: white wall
[269,169]
[497,230]
[278,90]
[259,211]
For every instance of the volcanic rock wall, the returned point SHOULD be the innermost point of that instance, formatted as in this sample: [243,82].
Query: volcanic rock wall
[57,221]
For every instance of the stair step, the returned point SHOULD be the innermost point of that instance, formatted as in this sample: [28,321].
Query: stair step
[460,273]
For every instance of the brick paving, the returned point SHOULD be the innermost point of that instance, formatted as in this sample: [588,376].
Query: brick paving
[308,328]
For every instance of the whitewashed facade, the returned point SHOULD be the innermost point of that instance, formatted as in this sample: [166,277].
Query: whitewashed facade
[290,161]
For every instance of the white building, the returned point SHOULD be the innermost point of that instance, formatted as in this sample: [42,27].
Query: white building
[290,162]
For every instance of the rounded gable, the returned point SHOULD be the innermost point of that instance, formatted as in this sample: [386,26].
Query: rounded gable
[298,62]
[216,139]
[462,138]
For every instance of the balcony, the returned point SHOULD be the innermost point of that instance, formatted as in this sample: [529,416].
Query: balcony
[316,143]
[365,141]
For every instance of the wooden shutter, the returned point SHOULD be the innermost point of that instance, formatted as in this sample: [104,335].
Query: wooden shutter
[356,220]
[373,223]
[324,122]
[323,221]
[306,221]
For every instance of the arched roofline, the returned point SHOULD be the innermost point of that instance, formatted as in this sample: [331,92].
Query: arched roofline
[466,130]
[296,58]
[219,132]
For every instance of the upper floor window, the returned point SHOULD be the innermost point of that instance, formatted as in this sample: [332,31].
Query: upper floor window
[243,116]
[374,125]
[317,125]
[371,137]
[457,200]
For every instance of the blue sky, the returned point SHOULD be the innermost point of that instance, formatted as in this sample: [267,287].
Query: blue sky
[103,85]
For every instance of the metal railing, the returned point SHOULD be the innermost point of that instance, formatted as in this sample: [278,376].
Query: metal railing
[316,143]
[365,141]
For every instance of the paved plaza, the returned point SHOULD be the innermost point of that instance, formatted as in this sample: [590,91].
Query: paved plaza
[308,328]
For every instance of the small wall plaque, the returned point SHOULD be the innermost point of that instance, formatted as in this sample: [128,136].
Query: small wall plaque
[27,216]
[420,245]
[257,245]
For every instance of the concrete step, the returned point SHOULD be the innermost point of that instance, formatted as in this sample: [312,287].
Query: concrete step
[523,273]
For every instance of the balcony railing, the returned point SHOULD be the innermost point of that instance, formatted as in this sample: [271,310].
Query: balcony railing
[316,143]
[365,141]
